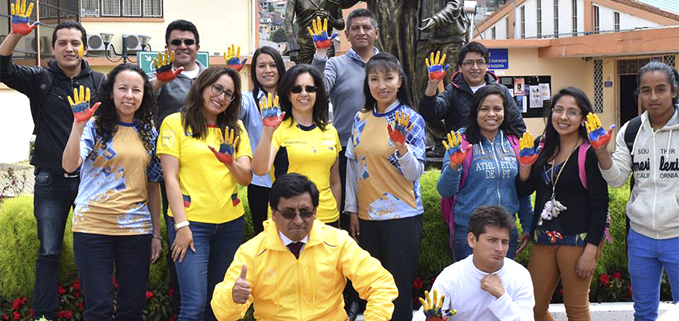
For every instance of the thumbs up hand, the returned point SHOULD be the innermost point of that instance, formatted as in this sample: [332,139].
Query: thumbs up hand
[241,289]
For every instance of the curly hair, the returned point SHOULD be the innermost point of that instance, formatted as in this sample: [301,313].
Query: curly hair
[193,120]
[106,122]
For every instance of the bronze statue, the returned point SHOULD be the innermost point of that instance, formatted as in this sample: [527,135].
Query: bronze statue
[300,44]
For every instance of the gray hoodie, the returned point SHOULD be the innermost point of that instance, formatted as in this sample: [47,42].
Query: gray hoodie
[653,207]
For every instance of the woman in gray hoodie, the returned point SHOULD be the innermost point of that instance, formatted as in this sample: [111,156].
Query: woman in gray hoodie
[653,207]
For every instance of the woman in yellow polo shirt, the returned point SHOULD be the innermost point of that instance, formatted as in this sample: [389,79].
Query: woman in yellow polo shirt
[303,142]
[205,152]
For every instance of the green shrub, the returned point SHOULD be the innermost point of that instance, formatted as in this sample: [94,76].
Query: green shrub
[19,248]
[435,252]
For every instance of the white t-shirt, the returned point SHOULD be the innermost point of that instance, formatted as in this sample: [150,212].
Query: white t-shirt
[191,73]
[461,285]
[474,89]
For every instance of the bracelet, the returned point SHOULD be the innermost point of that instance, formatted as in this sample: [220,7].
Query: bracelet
[179,225]
[160,238]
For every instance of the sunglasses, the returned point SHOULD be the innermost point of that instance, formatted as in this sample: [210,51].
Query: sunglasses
[178,42]
[298,89]
[290,214]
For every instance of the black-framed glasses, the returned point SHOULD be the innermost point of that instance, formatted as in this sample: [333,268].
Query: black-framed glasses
[469,63]
[290,214]
[298,89]
[219,90]
[178,42]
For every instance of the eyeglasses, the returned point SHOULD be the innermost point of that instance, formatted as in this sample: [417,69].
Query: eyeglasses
[570,113]
[219,90]
[470,63]
[178,42]
[298,89]
[290,214]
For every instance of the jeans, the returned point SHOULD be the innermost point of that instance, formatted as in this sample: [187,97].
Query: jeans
[461,247]
[54,196]
[95,257]
[200,271]
[647,257]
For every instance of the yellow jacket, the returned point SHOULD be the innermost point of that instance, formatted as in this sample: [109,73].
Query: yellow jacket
[285,288]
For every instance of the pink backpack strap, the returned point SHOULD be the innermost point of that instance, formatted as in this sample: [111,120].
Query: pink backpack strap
[582,157]
[514,141]
[467,160]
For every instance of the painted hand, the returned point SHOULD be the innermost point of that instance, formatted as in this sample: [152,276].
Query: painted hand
[320,33]
[20,16]
[401,127]
[227,148]
[528,153]
[435,66]
[80,104]
[164,69]
[433,308]
[598,137]
[271,112]
[232,57]
[454,148]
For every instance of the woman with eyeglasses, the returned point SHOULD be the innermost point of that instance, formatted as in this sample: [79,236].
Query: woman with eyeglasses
[298,138]
[205,153]
[266,71]
[385,159]
[571,207]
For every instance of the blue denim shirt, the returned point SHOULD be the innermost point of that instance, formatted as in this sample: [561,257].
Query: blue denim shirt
[252,120]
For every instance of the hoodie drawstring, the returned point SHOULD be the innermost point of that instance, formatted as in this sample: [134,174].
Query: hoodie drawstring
[669,141]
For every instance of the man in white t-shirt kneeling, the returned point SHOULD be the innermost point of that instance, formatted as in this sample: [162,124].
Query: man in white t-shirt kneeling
[485,285]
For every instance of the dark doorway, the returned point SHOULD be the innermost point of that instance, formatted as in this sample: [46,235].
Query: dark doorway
[628,104]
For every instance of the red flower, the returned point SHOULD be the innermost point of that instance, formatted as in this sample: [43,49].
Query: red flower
[149,294]
[629,291]
[171,292]
[16,304]
[68,314]
[30,313]
[23,299]
[76,295]
[60,290]
[17,316]
[76,285]
[616,275]
[560,292]
[173,317]
[5,316]
[61,314]
[604,279]
[417,284]
[80,306]
[115,285]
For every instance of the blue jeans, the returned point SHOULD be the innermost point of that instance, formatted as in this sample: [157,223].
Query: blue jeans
[95,257]
[200,271]
[54,196]
[647,257]
[461,247]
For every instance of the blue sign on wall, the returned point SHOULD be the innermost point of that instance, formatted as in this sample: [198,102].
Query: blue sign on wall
[499,59]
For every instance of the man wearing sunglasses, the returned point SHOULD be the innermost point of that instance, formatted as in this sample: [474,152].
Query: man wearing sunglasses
[452,105]
[297,268]
[182,37]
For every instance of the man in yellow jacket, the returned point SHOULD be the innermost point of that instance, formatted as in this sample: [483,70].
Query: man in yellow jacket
[297,268]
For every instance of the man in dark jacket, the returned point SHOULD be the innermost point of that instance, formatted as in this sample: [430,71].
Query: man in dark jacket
[453,104]
[55,190]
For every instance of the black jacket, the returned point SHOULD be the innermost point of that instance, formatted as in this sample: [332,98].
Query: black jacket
[453,104]
[53,118]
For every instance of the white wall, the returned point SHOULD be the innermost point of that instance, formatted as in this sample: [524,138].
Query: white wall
[627,21]
[16,126]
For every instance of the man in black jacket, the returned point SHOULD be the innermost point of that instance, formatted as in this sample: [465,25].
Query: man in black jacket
[453,104]
[55,190]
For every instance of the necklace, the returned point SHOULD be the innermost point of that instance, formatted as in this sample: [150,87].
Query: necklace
[313,147]
[553,207]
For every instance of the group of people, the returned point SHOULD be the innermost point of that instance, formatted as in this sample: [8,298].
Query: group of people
[125,147]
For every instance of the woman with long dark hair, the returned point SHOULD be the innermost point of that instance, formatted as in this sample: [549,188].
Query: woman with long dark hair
[645,148]
[116,220]
[266,71]
[386,156]
[570,211]
[205,152]
[301,140]
[487,176]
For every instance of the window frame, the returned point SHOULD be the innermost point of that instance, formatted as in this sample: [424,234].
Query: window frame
[98,12]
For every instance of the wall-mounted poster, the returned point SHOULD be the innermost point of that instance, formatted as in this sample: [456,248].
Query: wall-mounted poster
[519,84]
[535,96]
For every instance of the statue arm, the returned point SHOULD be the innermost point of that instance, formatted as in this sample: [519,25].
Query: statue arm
[451,12]
[287,26]
[335,21]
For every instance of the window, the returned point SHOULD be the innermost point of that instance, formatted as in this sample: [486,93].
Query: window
[616,21]
[539,18]
[122,8]
[575,17]
[595,16]
[492,33]
[556,18]
[523,22]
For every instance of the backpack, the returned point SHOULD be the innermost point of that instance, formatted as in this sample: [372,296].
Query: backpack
[45,87]
[448,203]
[630,135]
